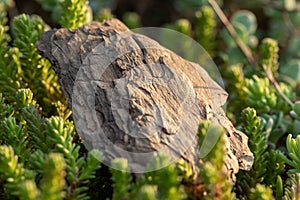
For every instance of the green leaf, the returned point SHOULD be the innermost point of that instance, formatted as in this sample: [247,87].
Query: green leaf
[29,190]
[53,182]
[205,27]
[13,172]
[183,26]
[279,188]
[75,13]
[132,20]
[6,4]
[294,16]
[14,135]
[269,55]
[53,6]
[292,184]
[293,47]
[166,177]
[293,148]
[290,4]
[121,178]
[291,72]
[247,19]
[148,192]
[92,164]
[296,108]
[261,192]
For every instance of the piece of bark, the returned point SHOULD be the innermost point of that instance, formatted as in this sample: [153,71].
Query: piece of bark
[146,98]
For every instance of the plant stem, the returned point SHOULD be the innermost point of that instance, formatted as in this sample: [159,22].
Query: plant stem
[246,51]
[289,24]
[276,85]
[276,5]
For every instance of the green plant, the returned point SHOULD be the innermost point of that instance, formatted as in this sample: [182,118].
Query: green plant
[75,13]
[269,55]
[268,165]
[212,169]
[245,24]
[35,139]
[39,159]
[261,192]
[293,146]
[292,187]
[205,27]
[42,157]
[258,145]
[160,184]
[132,20]
[122,179]
[9,62]
[104,14]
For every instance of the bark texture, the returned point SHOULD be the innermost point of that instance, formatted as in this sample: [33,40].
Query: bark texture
[142,96]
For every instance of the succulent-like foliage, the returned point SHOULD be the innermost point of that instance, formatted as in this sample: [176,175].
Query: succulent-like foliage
[60,135]
[212,170]
[293,148]
[121,178]
[14,135]
[165,178]
[42,157]
[132,20]
[36,145]
[269,55]
[148,192]
[245,25]
[36,71]
[160,184]
[104,14]
[275,169]
[6,4]
[75,13]
[186,172]
[5,109]
[25,40]
[35,128]
[54,6]
[205,27]
[20,182]
[260,93]
[292,187]
[254,126]
[261,192]
[183,26]
[12,172]
[9,62]
[53,182]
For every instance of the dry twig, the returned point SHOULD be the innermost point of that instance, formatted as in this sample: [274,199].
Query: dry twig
[246,51]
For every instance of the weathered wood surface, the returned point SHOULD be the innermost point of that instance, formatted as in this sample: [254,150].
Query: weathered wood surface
[162,96]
